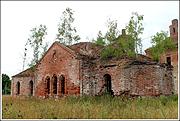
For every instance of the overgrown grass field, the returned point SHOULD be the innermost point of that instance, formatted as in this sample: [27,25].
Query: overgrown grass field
[103,107]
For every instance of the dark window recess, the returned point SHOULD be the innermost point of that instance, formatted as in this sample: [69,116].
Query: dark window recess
[107,79]
[48,85]
[174,30]
[168,60]
[54,84]
[62,79]
[31,87]
[18,88]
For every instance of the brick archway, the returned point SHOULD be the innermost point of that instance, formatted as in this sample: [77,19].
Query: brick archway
[107,83]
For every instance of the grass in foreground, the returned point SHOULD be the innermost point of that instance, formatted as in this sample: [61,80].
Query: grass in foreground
[104,107]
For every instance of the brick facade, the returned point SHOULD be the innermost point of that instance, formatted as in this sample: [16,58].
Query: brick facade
[134,77]
[78,70]
[23,79]
[172,55]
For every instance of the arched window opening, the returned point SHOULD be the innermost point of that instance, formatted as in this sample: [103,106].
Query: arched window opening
[31,87]
[108,87]
[62,79]
[54,84]
[174,30]
[47,85]
[18,88]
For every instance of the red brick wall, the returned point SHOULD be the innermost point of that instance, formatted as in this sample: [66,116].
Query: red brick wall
[86,76]
[60,63]
[142,79]
[174,62]
[149,80]
[24,85]
[173,28]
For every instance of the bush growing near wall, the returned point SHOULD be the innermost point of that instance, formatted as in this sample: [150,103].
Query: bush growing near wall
[161,43]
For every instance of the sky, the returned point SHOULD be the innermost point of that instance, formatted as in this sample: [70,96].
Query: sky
[19,17]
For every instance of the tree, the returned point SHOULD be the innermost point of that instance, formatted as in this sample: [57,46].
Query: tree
[112,32]
[100,39]
[125,46]
[6,84]
[108,52]
[108,40]
[134,29]
[36,42]
[66,31]
[45,48]
[121,47]
[161,43]
[25,55]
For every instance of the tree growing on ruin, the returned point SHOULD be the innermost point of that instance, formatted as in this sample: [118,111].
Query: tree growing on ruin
[110,35]
[121,47]
[130,44]
[100,39]
[112,32]
[35,41]
[161,43]
[109,39]
[134,29]
[25,55]
[66,31]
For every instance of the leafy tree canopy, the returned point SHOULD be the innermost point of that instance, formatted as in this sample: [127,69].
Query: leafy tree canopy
[100,39]
[161,43]
[123,45]
[36,43]
[6,84]
[66,31]
[134,29]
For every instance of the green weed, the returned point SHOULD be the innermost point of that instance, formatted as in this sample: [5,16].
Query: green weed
[90,107]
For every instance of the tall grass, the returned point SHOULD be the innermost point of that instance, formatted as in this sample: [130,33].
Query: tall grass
[103,107]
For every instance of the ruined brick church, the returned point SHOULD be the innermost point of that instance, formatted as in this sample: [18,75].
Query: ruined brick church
[79,70]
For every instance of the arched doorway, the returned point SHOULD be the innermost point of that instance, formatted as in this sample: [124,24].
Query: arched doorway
[54,84]
[108,85]
[62,80]
[31,87]
[18,88]
[47,89]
